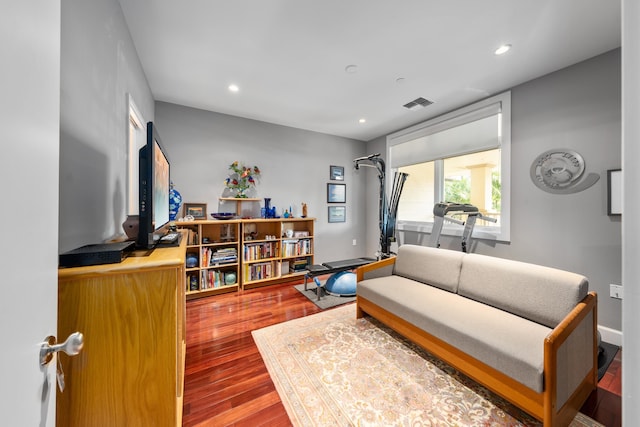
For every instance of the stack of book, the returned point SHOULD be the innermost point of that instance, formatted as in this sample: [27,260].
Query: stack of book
[298,265]
[219,256]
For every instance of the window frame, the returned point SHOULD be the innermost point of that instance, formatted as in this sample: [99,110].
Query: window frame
[450,120]
[136,138]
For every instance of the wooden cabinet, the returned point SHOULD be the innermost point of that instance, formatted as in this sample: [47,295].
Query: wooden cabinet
[212,260]
[132,316]
[268,251]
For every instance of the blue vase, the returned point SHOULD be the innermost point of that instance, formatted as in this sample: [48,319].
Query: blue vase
[267,207]
[175,201]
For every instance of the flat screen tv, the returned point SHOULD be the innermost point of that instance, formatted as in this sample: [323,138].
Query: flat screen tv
[154,182]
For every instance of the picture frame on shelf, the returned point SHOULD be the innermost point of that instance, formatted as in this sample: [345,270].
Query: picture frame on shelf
[336,173]
[337,214]
[614,192]
[336,193]
[196,210]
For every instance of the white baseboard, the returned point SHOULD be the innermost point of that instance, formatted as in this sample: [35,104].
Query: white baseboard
[612,336]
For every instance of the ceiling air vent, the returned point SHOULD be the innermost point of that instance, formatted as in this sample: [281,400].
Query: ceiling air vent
[417,103]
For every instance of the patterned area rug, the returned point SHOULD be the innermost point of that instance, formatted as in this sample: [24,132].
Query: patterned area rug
[332,369]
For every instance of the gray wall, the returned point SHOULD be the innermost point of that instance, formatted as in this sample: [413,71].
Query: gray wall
[576,108]
[294,164]
[99,66]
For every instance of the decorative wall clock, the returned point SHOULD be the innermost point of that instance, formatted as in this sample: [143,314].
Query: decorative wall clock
[558,171]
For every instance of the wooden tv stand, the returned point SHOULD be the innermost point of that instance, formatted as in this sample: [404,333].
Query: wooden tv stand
[132,315]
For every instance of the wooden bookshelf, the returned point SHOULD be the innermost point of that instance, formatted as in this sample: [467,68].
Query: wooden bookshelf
[269,251]
[212,257]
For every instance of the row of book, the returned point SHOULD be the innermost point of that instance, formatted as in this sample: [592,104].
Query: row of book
[261,270]
[210,279]
[192,237]
[258,251]
[296,247]
[217,278]
[211,256]
[270,270]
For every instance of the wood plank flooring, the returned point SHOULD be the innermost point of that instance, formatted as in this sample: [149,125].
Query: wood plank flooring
[227,383]
[605,404]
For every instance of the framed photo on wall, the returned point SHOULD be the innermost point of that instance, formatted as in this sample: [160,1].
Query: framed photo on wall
[337,214]
[196,210]
[336,193]
[336,173]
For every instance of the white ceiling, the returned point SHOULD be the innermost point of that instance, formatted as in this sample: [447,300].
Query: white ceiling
[289,56]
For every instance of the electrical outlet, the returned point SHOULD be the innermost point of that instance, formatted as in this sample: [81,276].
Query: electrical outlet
[615,291]
[354,242]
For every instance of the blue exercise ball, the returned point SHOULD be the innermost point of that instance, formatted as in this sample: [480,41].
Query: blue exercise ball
[342,284]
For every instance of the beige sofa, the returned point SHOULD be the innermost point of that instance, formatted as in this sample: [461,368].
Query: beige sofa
[525,331]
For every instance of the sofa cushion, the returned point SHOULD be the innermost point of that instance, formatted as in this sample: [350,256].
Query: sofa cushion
[504,341]
[437,267]
[542,294]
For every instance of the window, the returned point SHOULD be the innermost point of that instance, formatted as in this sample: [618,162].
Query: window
[461,157]
[136,139]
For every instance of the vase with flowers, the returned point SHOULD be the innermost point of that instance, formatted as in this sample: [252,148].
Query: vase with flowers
[241,178]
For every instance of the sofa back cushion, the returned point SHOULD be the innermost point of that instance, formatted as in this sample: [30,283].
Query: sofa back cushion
[542,294]
[436,267]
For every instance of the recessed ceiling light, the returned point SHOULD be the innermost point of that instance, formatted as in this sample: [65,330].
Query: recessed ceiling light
[400,80]
[363,120]
[502,49]
[233,88]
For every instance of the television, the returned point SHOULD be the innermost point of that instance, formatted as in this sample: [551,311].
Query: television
[154,184]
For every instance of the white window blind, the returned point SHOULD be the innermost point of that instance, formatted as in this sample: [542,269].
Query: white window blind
[479,135]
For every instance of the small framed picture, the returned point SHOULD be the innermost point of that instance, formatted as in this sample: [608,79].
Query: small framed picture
[336,193]
[337,213]
[196,210]
[336,173]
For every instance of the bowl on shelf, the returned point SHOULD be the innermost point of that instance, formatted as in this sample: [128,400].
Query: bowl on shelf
[223,215]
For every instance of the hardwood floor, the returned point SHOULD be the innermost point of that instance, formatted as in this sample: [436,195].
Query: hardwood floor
[605,404]
[227,383]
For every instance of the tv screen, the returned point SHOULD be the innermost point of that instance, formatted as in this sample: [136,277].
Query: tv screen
[154,185]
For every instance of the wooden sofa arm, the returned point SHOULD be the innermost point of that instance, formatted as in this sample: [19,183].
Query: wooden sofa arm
[375,267]
[571,362]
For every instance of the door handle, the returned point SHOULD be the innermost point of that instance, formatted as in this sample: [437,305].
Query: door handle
[71,346]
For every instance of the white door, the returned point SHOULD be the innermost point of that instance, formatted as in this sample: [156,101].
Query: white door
[29,147]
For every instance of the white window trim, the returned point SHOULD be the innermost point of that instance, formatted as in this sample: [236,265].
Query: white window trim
[135,141]
[453,119]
